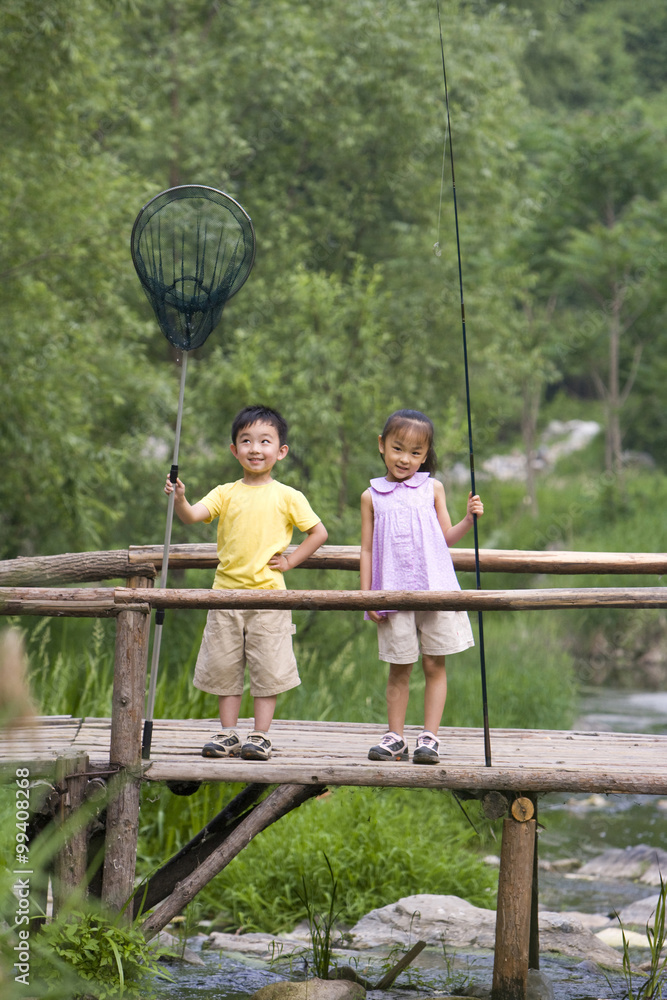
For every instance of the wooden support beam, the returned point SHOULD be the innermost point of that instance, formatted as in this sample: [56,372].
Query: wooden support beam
[534,945]
[162,883]
[125,751]
[515,880]
[280,801]
[70,862]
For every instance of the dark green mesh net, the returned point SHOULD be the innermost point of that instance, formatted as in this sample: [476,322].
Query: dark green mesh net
[193,248]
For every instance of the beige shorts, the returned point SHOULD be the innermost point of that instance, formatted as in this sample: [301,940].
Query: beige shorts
[402,634]
[262,640]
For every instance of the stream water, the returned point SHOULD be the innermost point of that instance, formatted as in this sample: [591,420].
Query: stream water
[573,826]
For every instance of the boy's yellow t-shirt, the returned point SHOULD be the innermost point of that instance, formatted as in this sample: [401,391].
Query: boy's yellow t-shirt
[254,523]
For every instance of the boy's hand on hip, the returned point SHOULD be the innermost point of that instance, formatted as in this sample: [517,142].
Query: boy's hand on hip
[279,562]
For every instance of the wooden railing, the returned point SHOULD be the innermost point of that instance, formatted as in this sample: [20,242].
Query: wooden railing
[146,560]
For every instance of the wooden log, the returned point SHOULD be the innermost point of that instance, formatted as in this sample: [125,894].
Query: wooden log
[534,944]
[71,567]
[455,600]
[162,883]
[71,602]
[584,777]
[122,831]
[70,862]
[510,963]
[146,560]
[522,809]
[82,600]
[280,801]
[204,556]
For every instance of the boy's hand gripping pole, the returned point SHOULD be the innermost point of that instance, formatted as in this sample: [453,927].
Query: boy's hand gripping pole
[159,612]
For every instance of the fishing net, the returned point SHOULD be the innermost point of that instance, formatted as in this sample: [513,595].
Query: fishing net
[193,248]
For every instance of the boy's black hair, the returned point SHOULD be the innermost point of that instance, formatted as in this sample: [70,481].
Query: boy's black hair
[253,414]
[409,420]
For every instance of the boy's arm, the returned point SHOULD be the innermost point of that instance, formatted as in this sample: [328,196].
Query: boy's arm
[185,511]
[315,536]
[454,532]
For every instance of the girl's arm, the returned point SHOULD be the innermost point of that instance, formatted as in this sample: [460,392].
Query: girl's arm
[185,511]
[454,532]
[366,557]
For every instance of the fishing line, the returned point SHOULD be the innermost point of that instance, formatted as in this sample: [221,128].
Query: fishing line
[448,133]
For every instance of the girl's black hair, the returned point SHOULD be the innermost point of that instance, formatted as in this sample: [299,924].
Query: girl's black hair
[405,420]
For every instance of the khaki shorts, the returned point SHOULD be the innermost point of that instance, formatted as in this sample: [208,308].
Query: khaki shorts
[402,634]
[262,640]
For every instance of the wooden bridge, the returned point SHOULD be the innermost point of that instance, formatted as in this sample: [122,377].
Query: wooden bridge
[335,753]
[524,763]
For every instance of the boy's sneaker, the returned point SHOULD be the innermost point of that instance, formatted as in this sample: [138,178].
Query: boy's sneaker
[391,747]
[257,746]
[225,744]
[426,751]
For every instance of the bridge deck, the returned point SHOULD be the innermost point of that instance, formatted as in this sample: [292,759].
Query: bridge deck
[335,753]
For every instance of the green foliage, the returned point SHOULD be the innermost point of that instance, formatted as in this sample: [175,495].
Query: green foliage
[321,925]
[113,960]
[656,978]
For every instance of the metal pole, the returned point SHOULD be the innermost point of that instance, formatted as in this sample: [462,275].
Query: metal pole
[159,614]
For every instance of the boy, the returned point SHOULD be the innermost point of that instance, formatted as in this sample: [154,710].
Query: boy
[256,516]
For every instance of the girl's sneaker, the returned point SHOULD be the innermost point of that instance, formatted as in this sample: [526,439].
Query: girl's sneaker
[391,747]
[256,747]
[426,751]
[225,744]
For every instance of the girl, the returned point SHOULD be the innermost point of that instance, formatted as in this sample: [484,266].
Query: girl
[406,532]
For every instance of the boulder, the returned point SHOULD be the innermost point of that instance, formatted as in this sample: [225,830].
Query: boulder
[459,924]
[433,919]
[613,936]
[311,989]
[563,933]
[639,862]
[640,913]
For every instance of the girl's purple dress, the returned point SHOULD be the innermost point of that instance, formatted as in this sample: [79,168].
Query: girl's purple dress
[409,548]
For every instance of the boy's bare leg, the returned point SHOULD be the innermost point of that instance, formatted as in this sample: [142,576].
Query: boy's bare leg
[264,709]
[435,691]
[229,706]
[398,692]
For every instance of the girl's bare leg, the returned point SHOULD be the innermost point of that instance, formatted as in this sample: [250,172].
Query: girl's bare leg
[398,692]
[435,691]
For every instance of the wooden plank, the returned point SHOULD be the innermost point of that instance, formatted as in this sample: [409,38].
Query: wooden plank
[335,753]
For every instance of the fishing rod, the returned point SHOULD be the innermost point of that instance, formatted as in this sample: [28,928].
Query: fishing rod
[480,621]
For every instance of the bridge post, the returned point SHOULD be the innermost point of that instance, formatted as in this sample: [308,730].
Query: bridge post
[513,915]
[69,876]
[131,659]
